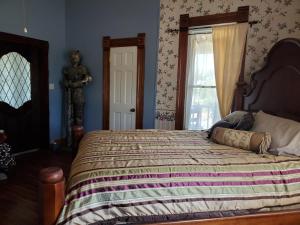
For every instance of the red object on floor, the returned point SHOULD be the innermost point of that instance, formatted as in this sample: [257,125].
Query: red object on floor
[3,137]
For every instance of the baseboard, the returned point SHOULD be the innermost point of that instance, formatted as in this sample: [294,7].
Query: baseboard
[25,152]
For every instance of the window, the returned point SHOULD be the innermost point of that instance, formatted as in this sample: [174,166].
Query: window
[15,87]
[201,105]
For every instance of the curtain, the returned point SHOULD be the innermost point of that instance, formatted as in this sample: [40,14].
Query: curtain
[201,105]
[228,46]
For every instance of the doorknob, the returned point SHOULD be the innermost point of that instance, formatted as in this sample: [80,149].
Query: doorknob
[132,110]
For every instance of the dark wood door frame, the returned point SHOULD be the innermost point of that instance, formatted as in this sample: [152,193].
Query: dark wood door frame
[40,48]
[108,43]
[186,22]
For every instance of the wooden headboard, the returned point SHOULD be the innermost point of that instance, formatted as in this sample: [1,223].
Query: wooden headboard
[275,88]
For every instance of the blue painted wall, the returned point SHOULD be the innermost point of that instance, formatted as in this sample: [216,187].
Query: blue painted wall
[88,21]
[79,24]
[46,21]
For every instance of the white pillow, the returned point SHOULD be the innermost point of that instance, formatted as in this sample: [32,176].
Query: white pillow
[285,133]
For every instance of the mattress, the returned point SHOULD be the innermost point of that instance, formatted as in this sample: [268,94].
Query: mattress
[147,176]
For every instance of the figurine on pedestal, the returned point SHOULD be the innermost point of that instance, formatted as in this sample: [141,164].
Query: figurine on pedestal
[76,77]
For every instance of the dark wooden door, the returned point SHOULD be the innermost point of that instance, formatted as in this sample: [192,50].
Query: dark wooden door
[23,100]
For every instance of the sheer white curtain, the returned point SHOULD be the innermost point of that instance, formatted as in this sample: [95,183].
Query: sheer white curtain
[201,102]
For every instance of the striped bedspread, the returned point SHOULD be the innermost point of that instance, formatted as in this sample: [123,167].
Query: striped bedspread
[153,175]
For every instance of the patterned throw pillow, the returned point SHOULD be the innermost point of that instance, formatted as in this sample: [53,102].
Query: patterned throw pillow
[6,158]
[253,141]
[220,123]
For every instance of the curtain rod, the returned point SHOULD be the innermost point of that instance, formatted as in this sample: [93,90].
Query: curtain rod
[251,23]
[200,33]
[198,30]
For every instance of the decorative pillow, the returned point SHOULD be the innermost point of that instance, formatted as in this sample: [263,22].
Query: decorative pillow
[246,122]
[253,141]
[285,133]
[220,123]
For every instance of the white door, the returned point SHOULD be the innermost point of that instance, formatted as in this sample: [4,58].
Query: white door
[123,77]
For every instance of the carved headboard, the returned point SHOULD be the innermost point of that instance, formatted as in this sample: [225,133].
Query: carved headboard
[275,88]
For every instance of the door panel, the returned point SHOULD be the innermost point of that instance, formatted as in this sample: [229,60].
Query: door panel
[123,77]
[129,120]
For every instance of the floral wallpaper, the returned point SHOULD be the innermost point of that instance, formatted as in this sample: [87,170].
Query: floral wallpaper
[279,19]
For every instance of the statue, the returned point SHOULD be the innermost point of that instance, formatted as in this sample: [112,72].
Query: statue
[76,77]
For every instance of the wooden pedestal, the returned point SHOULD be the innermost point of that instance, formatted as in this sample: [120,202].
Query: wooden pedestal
[51,194]
[77,134]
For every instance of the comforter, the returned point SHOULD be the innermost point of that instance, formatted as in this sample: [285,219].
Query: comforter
[147,176]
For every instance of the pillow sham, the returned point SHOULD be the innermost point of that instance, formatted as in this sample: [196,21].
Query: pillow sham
[239,120]
[253,141]
[246,122]
[292,148]
[220,123]
[235,116]
[285,133]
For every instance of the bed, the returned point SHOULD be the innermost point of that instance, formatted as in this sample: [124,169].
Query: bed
[180,177]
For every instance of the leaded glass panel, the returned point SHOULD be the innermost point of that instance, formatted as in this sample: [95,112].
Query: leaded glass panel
[15,85]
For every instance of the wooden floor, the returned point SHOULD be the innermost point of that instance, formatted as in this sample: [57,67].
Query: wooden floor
[18,194]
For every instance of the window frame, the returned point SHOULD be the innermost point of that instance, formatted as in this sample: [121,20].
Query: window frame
[186,22]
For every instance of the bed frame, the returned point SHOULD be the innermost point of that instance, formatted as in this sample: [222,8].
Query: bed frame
[274,89]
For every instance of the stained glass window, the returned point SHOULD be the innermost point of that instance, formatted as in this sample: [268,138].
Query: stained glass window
[15,85]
